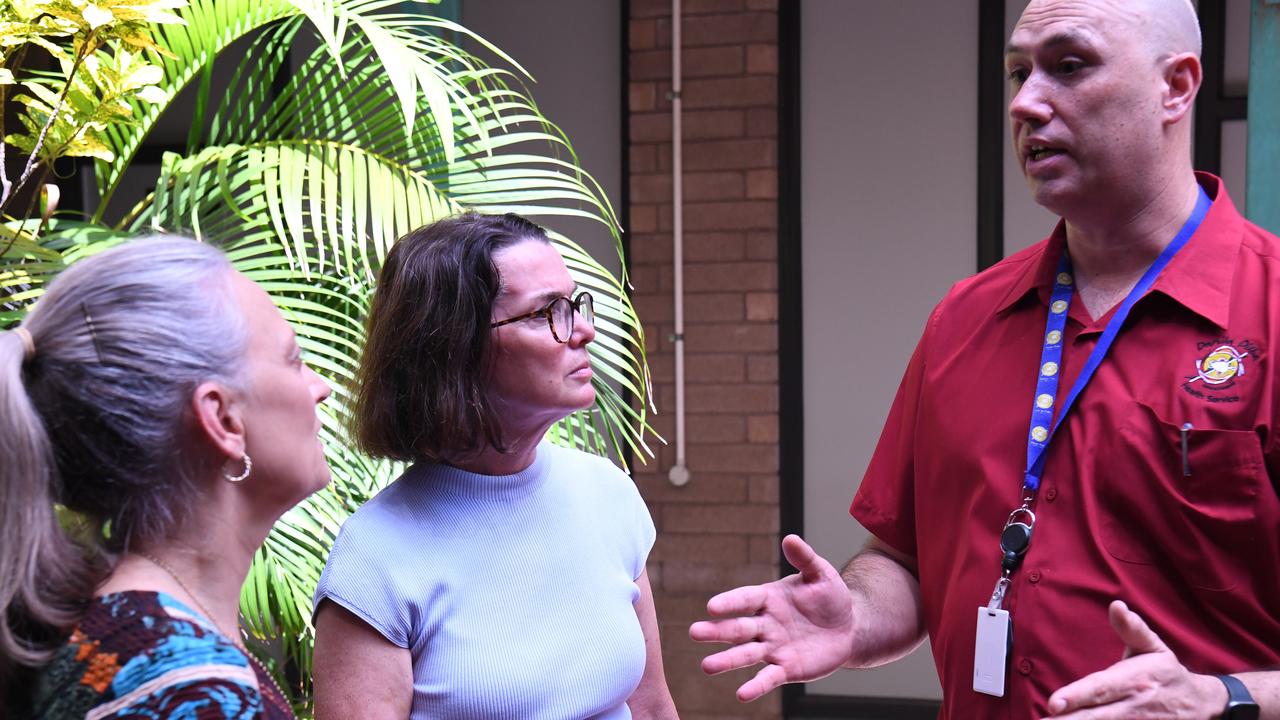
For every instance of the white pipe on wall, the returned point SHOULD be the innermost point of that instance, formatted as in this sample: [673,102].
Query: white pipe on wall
[679,474]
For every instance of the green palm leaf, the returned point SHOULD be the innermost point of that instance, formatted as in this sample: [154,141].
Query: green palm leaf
[384,127]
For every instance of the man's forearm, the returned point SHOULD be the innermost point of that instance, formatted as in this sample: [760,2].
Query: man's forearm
[888,622]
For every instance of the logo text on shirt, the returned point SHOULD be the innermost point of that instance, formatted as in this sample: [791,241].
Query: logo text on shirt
[1221,365]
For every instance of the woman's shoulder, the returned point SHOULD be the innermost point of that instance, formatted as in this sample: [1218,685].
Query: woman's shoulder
[145,650]
[589,473]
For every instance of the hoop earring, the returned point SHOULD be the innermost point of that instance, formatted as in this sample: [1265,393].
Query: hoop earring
[248,465]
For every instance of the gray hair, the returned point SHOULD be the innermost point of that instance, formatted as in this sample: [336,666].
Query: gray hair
[96,421]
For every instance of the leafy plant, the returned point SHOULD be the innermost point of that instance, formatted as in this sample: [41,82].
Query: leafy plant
[305,177]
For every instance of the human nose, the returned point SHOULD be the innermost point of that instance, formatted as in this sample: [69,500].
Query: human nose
[1029,103]
[320,386]
[584,329]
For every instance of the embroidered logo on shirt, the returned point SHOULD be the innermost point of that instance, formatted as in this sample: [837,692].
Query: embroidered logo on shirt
[1224,363]
[1220,366]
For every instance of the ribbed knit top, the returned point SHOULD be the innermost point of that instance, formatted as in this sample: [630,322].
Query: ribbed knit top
[514,594]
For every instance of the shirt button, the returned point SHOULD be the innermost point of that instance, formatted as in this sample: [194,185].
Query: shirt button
[1033,576]
[1024,666]
[1051,493]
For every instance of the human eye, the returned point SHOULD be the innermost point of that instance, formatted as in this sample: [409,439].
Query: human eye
[1070,66]
[1017,74]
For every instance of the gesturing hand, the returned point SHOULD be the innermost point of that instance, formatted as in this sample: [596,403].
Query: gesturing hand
[800,627]
[1148,681]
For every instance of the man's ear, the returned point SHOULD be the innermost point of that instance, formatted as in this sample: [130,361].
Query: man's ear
[218,418]
[1182,76]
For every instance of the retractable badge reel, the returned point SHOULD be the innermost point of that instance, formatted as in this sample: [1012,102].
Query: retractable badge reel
[995,630]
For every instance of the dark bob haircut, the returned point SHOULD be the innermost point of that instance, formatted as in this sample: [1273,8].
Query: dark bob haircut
[420,391]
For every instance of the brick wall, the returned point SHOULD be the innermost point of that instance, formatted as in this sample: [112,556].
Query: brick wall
[721,530]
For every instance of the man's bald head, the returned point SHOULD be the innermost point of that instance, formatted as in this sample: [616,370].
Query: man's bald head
[1167,27]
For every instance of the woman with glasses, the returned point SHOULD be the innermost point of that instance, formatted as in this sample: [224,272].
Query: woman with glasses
[500,576]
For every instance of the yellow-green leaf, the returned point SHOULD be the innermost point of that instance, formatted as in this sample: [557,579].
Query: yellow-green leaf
[96,16]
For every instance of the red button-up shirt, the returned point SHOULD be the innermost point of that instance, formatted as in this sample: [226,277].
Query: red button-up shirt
[1198,555]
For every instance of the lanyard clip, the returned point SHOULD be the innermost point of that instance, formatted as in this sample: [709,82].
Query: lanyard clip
[997,595]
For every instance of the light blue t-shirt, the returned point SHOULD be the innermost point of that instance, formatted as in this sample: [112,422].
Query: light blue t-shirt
[514,594]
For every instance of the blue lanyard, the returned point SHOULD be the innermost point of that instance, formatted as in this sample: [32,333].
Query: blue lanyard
[1041,433]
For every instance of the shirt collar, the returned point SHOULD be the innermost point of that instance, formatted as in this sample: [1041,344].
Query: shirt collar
[1199,277]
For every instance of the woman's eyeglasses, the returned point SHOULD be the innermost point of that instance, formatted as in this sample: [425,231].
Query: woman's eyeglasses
[559,314]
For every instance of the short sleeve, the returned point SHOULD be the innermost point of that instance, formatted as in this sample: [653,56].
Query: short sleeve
[357,577]
[637,532]
[885,501]
[644,533]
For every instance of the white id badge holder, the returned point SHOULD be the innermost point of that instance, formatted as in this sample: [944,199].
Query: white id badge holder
[991,651]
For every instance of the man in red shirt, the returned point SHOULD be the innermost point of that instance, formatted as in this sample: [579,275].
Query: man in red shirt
[1158,490]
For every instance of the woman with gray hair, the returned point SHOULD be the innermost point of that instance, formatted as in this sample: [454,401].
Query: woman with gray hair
[156,418]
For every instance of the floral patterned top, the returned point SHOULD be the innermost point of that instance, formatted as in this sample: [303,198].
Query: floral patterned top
[145,655]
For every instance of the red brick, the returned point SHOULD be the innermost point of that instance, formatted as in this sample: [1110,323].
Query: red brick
[711,577]
[644,158]
[650,8]
[714,307]
[665,274]
[718,185]
[733,458]
[702,247]
[652,341]
[642,34]
[663,99]
[709,488]
[703,7]
[762,368]
[655,249]
[763,489]
[737,92]
[711,124]
[722,61]
[762,307]
[642,96]
[762,5]
[662,30]
[762,122]
[730,29]
[728,60]
[762,429]
[713,399]
[653,306]
[644,279]
[762,59]
[732,337]
[735,215]
[650,127]
[721,277]
[762,184]
[733,399]
[709,368]
[719,549]
[762,246]
[662,153]
[718,368]
[650,65]
[730,155]
[644,219]
[650,188]
[764,550]
[719,518]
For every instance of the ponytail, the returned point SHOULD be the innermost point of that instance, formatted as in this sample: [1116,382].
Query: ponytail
[44,575]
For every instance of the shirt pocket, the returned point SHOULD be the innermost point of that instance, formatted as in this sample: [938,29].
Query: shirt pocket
[1201,527]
